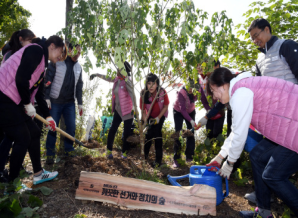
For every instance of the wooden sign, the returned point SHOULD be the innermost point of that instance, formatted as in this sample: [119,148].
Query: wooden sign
[141,194]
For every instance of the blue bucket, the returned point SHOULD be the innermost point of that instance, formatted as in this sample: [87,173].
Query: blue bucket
[201,175]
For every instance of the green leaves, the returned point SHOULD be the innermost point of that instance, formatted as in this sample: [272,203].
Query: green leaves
[45,190]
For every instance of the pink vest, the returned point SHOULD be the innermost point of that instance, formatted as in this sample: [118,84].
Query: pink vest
[125,100]
[160,100]
[275,113]
[8,71]
[190,106]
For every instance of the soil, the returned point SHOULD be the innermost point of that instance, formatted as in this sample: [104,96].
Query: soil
[61,203]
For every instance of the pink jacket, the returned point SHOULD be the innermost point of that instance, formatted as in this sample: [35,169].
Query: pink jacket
[190,106]
[124,98]
[8,71]
[275,109]
[160,100]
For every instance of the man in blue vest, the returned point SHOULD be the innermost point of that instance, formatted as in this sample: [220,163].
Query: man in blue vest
[63,85]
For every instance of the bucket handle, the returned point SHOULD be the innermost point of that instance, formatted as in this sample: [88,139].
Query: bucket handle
[192,170]
[173,179]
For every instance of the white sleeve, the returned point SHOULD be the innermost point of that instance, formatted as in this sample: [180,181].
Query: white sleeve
[242,110]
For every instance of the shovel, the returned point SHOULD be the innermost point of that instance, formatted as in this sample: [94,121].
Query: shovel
[60,131]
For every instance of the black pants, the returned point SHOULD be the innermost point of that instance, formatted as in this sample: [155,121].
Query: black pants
[26,136]
[113,129]
[229,122]
[215,127]
[155,132]
[7,144]
[190,141]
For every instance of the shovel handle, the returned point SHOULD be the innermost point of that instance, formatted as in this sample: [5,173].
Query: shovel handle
[56,128]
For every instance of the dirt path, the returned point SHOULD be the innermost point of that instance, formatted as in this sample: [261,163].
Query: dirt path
[62,204]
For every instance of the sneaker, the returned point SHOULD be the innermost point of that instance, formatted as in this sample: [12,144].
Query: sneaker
[175,164]
[123,155]
[24,188]
[252,214]
[252,197]
[109,154]
[44,176]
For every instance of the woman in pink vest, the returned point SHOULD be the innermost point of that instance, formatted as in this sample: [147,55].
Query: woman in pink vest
[157,116]
[122,106]
[184,109]
[18,40]
[22,81]
[271,106]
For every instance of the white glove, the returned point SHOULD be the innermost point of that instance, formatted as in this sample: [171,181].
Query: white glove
[48,103]
[52,125]
[192,123]
[157,120]
[203,121]
[226,170]
[30,110]
[80,110]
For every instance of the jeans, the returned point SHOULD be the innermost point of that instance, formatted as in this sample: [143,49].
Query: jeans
[155,132]
[229,122]
[190,141]
[127,131]
[272,165]
[26,136]
[68,111]
[215,127]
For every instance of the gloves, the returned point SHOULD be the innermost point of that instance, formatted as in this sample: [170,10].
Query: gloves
[80,110]
[216,162]
[226,170]
[52,125]
[93,76]
[192,123]
[155,120]
[133,111]
[203,121]
[48,103]
[30,110]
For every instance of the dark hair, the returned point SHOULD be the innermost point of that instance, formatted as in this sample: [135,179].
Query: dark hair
[14,41]
[71,46]
[150,78]
[128,68]
[217,63]
[219,77]
[260,23]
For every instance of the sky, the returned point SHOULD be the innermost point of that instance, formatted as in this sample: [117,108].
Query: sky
[48,18]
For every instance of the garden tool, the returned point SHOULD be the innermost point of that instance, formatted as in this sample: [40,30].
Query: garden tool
[152,121]
[61,131]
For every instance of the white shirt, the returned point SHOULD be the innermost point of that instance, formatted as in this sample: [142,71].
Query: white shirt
[242,110]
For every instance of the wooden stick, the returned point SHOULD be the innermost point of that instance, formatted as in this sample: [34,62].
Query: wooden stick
[60,130]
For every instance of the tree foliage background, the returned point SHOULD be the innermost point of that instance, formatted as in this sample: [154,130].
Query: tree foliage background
[13,17]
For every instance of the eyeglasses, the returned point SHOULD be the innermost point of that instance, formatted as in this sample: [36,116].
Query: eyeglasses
[256,35]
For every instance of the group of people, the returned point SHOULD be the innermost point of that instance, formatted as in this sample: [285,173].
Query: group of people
[268,102]
[25,89]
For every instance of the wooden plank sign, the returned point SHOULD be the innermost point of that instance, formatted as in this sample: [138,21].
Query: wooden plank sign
[141,194]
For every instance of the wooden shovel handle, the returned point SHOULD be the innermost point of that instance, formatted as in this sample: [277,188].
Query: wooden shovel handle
[40,118]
